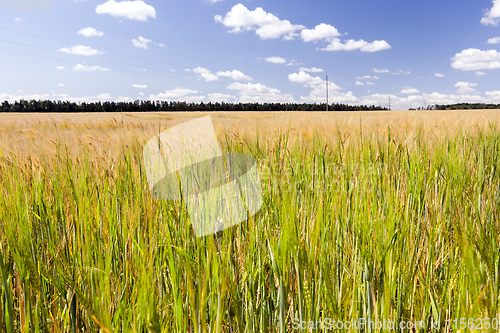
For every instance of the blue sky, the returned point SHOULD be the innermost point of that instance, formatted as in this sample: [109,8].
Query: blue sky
[416,52]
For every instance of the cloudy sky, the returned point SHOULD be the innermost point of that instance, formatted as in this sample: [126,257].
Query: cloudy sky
[417,52]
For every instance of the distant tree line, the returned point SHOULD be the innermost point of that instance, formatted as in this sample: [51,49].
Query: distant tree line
[468,106]
[34,106]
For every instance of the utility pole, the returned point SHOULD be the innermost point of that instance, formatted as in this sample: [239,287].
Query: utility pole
[327,93]
[389,102]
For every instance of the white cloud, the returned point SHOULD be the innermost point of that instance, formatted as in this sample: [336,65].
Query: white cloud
[401,72]
[141,42]
[90,32]
[367,77]
[438,75]
[141,86]
[132,10]
[214,1]
[87,68]
[495,40]
[160,44]
[312,70]
[322,31]
[266,25]
[80,50]
[474,59]
[61,85]
[218,97]
[494,96]
[410,91]
[173,94]
[275,60]
[385,70]
[359,83]
[465,87]
[480,73]
[306,79]
[351,45]
[206,74]
[256,92]
[235,75]
[370,83]
[492,16]
[60,67]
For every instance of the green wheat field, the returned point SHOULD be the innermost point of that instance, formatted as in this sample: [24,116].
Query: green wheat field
[386,220]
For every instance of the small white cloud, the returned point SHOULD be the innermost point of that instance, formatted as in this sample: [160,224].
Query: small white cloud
[235,75]
[132,10]
[60,67]
[410,91]
[266,25]
[438,75]
[480,73]
[18,20]
[312,70]
[306,79]
[141,94]
[173,94]
[495,40]
[401,72]
[385,70]
[351,45]
[465,87]
[359,83]
[61,85]
[322,31]
[474,59]
[367,77]
[140,86]
[141,42]
[370,83]
[492,16]
[104,96]
[214,1]
[80,50]
[218,97]
[276,60]
[160,44]
[90,32]
[206,74]
[87,68]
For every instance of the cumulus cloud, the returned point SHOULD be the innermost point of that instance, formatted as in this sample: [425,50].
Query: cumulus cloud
[275,60]
[132,10]
[87,68]
[141,86]
[312,70]
[474,59]
[306,79]
[235,75]
[438,75]
[359,83]
[367,77]
[218,97]
[385,70]
[173,94]
[141,42]
[410,91]
[492,16]
[337,45]
[495,40]
[322,31]
[266,25]
[465,87]
[206,74]
[90,32]
[480,73]
[80,50]
[256,92]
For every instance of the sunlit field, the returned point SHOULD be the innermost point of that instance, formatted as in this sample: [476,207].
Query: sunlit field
[382,216]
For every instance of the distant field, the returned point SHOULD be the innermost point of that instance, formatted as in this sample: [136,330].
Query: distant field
[384,216]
